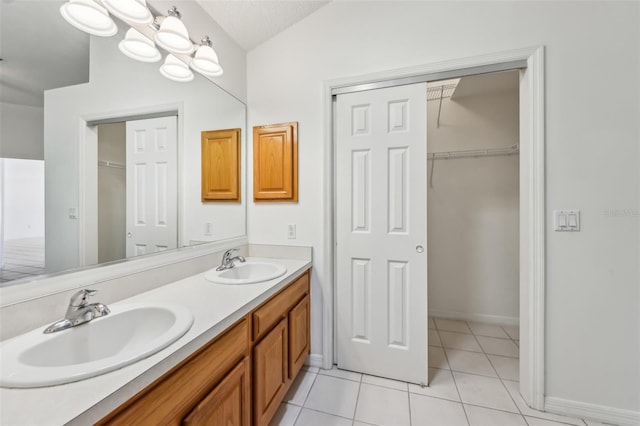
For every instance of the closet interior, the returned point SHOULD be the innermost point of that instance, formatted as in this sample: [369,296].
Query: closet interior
[473,223]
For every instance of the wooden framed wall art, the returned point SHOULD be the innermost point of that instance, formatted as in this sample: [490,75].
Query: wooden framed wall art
[275,163]
[221,165]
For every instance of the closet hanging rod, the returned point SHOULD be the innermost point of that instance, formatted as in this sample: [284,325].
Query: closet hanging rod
[111,164]
[512,150]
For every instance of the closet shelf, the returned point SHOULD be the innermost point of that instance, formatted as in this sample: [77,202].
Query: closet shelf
[512,150]
[111,164]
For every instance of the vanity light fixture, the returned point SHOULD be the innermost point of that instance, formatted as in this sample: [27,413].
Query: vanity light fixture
[139,47]
[205,60]
[176,70]
[130,11]
[173,35]
[89,16]
[170,33]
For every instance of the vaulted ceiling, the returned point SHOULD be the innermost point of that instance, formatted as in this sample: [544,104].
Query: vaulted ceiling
[250,23]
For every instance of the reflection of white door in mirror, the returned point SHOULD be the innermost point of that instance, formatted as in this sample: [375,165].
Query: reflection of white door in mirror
[151,183]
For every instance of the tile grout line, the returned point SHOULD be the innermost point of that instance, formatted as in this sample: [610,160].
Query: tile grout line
[500,378]
[505,387]
[409,399]
[305,399]
[321,412]
[497,376]
[453,377]
[535,415]
[355,409]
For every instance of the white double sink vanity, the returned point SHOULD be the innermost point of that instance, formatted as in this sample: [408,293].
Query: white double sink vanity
[107,370]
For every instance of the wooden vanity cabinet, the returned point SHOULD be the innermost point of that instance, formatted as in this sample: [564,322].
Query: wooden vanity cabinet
[172,398]
[278,354]
[299,336]
[239,378]
[271,374]
[229,403]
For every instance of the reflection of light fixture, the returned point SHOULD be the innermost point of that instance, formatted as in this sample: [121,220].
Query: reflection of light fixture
[136,46]
[173,35]
[130,11]
[168,32]
[89,16]
[176,70]
[205,61]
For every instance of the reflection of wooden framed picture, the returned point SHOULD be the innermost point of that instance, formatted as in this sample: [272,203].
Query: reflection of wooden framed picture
[221,165]
[275,163]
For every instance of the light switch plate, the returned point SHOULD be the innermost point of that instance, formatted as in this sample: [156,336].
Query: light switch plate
[566,220]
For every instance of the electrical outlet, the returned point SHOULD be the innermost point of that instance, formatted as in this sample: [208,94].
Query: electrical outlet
[208,229]
[291,231]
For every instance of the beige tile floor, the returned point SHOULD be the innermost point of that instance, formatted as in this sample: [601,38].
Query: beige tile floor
[473,380]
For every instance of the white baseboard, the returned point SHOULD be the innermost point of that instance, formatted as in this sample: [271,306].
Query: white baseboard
[490,319]
[599,413]
[314,360]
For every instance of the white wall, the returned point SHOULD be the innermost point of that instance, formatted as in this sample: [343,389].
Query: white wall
[112,192]
[472,219]
[21,131]
[592,306]
[23,198]
[117,86]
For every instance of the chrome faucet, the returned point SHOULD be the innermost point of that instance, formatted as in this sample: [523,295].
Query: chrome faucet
[227,260]
[79,312]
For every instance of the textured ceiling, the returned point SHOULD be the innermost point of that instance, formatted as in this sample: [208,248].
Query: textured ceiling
[250,23]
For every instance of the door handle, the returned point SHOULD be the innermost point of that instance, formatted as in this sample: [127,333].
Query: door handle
[129,235]
[419,249]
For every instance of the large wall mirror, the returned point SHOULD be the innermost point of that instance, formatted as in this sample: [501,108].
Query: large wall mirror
[80,183]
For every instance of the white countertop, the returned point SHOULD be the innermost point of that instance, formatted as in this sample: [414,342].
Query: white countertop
[214,306]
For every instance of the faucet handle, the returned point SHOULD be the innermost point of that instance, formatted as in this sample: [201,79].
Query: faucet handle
[80,298]
[227,254]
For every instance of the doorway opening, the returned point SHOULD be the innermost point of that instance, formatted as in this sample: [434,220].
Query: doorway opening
[530,62]
[132,162]
[22,219]
[473,225]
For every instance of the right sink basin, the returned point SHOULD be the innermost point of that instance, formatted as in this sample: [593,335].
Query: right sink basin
[249,272]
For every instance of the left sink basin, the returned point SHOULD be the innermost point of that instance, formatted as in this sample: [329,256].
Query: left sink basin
[129,334]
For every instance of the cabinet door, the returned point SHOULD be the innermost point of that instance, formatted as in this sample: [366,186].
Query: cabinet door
[228,403]
[299,341]
[271,376]
[275,162]
[221,165]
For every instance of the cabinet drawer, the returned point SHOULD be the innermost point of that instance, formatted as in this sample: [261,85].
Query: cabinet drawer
[172,396]
[278,307]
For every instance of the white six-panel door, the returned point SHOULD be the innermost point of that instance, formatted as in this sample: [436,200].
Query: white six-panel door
[152,185]
[381,220]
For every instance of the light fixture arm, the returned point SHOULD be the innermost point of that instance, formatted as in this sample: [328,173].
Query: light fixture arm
[174,12]
[206,41]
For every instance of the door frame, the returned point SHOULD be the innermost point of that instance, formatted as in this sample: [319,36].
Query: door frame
[87,171]
[532,199]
